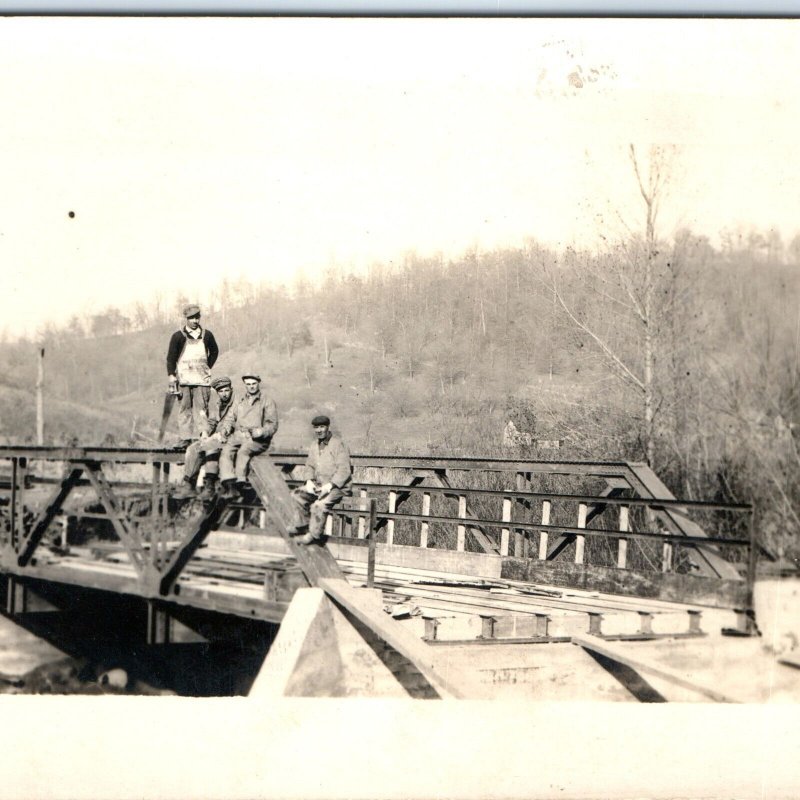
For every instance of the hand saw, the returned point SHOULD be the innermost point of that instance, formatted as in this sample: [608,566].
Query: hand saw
[169,401]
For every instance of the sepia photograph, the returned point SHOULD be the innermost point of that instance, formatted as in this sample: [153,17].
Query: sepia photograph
[429,374]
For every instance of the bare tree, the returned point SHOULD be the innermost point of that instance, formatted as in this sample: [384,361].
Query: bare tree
[629,283]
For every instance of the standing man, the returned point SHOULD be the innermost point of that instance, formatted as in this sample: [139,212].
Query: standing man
[248,430]
[328,474]
[191,354]
[206,450]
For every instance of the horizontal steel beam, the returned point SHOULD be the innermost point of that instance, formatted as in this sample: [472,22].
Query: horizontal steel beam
[149,455]
[201,597]
[677,538]
[554,496]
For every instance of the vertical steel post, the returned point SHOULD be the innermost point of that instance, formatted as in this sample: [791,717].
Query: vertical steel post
[371,546]
[159,623]
[12,523]
[487,626]
[519,536]
[752,564]
[22,477]
[154,498]
[40,398]
[165,489]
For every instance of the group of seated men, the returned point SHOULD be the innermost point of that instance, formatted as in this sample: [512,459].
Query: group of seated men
[240,428]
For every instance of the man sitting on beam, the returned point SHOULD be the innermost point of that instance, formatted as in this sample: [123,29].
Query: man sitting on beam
[328,474]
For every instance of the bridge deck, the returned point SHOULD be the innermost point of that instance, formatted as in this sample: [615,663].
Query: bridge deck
[254,576]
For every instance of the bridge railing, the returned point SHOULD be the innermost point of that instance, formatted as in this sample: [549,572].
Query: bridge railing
[531,537]
[478,504]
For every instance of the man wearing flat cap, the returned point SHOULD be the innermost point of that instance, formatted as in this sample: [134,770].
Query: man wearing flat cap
[248,430]
[328,476]
[191,354]
[206,450]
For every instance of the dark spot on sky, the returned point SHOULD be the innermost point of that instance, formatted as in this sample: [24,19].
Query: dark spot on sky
[72,215]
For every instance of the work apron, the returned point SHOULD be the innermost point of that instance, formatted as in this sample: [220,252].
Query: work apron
[193,367]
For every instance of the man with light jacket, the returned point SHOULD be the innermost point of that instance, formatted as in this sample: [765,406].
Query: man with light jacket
[248,430]
[328,476]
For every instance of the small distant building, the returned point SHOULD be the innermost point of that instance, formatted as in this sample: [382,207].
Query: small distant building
[514,438]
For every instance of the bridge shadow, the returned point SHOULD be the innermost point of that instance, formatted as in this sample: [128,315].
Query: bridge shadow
[101,631]
[630,679]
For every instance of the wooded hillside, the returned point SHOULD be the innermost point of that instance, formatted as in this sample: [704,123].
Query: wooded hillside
[434,355]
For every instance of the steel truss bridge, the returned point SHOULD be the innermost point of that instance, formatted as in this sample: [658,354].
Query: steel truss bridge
[103,519]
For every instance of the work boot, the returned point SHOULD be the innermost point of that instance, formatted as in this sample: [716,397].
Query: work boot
[185,490]
[310,538]
[228,490]
[209,489]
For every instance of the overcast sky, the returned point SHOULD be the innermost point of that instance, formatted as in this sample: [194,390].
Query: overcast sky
[189,149]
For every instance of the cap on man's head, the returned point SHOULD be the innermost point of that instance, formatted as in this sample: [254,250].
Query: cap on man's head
[221,382]
[191,311]
[251,377]
[320,419]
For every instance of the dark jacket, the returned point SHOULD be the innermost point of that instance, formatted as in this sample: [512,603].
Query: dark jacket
[216,417]
[178,342]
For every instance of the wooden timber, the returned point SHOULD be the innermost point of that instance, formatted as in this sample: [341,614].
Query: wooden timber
[395,635]
[668,586]
[283,512]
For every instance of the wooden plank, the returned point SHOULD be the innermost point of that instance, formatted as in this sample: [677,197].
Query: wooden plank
[478,564]
[543,535]
[363,505]
[666,557]
[622,547]
[390,523]
[629,657]
[505,533]
[580,541]
[282,510]
[461,531]
[424,527]
[714,592]
[396,636]
[524,604]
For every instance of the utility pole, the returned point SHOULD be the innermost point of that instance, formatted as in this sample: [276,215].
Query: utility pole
[40,398]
